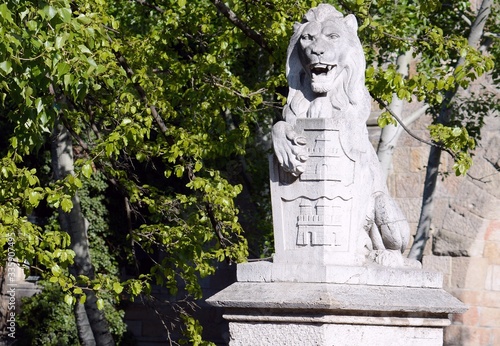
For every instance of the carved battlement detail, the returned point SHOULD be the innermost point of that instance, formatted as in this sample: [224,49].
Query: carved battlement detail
[326,156]
[320,223]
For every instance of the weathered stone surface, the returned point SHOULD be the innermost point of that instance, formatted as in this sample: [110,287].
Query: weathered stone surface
[469,273]
[286,313]
[331,298]
[493,278]
[411,208]
[272,334]
[263,271]
[457,234]
[441,264]
[492,252]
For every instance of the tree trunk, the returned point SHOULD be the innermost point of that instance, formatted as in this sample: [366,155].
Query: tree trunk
[390,133]
[93,328]
[424,223]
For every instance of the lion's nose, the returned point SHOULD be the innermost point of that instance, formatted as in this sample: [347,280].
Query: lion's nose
[318,48]
[317,51]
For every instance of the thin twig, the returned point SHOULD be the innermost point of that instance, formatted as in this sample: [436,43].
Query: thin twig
[401,122]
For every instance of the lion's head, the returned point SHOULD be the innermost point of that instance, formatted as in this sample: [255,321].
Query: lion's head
[325,54]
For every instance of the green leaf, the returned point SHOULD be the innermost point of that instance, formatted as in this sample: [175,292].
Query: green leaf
[69,299]
[39,105]
[50,11]
[457,131]
[5,13]
[197,166]
[84,49]
[179,171]
[65,14]
[66,205]
[62,69]
[6,66]
[100,304]
[56,270]
[117,287]
[87,170]
[136,288]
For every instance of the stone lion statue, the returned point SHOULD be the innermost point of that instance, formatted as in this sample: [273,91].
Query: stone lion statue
[326,75]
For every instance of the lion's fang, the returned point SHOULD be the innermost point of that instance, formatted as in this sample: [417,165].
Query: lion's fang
[321,69]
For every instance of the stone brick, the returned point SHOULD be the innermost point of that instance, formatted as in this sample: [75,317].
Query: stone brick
[418,159]
[470,297]
[474,199]
[493,231]
[469,273]
[401,162]
[457,234]
[489,317]
[477,336]
[440,264]
[493,278]
[410,208]
[491,299]
[483,168]
[450,243]
[468,318]
[450,186]
[492,251]
[405,185]
[408,141]
[458,335]
[496,336]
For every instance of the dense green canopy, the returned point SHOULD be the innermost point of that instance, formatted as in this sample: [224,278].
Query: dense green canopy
[169,105]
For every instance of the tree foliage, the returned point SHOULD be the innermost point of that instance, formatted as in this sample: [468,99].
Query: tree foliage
[169,105]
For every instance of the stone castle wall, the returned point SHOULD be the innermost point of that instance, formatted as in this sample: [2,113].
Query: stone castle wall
[465,232]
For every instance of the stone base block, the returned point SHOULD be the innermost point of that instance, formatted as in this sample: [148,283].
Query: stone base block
[329,314]
[273,333]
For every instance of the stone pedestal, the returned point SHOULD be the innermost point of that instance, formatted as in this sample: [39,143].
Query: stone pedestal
[338,276]
[352,306]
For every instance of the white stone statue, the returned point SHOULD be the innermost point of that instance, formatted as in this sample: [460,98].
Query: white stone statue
[330,200]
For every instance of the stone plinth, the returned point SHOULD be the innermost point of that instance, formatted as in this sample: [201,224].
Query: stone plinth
[265,271]
[340,314]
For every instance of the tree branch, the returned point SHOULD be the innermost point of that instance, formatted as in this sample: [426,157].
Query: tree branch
[416,115]
[142,93]
[249,32]
[404,126]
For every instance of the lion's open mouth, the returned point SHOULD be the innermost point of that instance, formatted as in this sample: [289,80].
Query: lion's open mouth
[322,77]
[321,69]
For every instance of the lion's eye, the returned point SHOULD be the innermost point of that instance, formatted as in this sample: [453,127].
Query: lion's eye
[307,37]
[332,36]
